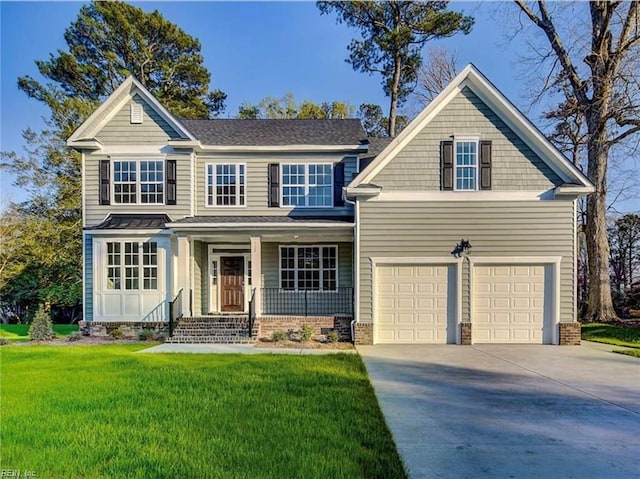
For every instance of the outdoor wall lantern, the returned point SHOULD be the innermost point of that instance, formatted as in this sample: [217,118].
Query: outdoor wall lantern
[463,247]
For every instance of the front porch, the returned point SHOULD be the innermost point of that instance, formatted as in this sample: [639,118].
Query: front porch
[262,281]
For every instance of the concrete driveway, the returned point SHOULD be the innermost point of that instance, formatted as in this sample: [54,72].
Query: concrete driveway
[510,411]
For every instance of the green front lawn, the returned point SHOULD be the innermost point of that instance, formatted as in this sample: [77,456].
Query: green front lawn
[105,411]
[612,334]
[20,332]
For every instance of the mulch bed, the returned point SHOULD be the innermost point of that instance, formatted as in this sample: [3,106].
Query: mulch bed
[85,341]
[289,344]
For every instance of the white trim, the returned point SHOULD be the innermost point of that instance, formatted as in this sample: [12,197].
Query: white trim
[285,148]
[553,261]
[138,182]
[471,77]
[133,151]
[305,185]
[246,292]
[356,266]
[415,260]
[575,260]
[131,87]
[466,139]
[451,196]
[321,269]
[237,184]
[129,232]
[197,226]
[573,190]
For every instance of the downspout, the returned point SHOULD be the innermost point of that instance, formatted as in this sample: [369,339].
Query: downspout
[356,256]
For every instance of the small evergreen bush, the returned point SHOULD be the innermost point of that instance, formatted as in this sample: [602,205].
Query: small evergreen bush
[41,328]
[332,337]
[74,336]
[146,335]
[306,332]
[117,333]
[278,336]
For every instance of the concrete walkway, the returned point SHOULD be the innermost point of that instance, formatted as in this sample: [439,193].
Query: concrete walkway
[237,349]
[510,411]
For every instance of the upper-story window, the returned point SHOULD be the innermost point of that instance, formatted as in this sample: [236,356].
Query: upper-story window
[226,184]
[138,181]
[309,185]
[466,165]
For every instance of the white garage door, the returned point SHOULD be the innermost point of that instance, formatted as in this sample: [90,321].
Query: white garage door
[508,304]
[412,303]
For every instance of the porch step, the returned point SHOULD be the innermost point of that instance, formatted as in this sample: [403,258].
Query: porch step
[213,329]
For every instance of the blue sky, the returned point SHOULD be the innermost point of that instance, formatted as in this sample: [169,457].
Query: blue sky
[251,49]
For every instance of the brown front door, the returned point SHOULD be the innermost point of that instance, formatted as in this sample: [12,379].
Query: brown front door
[232,283]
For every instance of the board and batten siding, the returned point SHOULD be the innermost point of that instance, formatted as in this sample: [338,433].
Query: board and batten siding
[257,183]
[88,278]
[120,131]
[271,258]
[95,213]
[514,165]
[500,229]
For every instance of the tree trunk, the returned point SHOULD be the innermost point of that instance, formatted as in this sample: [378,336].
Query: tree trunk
[600,304]
[393,110]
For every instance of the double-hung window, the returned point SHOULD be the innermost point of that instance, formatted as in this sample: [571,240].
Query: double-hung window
[138,182]
[309,268]
[466,165]
[132,265]
[308,185]
[226,184]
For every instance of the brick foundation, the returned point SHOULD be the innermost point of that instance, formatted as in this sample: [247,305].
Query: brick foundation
[267,325]
[570,334]
[465,334]
[363,333]
[102,329]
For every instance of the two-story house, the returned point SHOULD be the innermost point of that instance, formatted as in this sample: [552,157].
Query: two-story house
[462,229]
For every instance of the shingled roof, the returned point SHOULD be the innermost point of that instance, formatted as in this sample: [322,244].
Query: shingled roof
[277,132]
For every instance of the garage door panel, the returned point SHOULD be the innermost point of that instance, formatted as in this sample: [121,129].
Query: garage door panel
[412,303]
[508,303]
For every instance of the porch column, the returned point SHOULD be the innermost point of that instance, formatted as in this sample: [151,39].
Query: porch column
[256,271]
[184,268]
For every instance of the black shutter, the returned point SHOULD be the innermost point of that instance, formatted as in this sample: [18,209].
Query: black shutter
[485,165]
[274,185]
[338,183]
[171,182]
[446,165]
[105,178]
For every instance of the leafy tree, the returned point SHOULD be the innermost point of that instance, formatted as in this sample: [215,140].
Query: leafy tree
[375,123]
[602,86]
[624,238]
[41,255]
[287,107]
[394,33]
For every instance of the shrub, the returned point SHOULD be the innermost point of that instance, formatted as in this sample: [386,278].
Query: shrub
[117,333]
[145,335]
[278,336]
[41,328]
[74,336]
[4,341]
[306,332]
[332,337]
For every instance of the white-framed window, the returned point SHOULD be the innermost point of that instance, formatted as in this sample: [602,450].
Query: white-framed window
[226,184]
[138,182]
[309,268]
[126,271]
[466,164]
[308,185]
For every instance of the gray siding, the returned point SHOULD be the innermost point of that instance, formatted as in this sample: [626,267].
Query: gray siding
[88,278]
[514,165]
[95,213]
[257,184]
[410,229]
[271,257]
[198,247]
[153,129]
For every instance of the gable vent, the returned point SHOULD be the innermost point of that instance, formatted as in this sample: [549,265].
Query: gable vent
[136,113]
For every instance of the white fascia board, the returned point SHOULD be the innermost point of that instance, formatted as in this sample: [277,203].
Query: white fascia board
[571,190]
[130,86]
[471,77]
[200,226]
[453,196]
[88,144]
[363,191]
[127,232]
[285,148]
